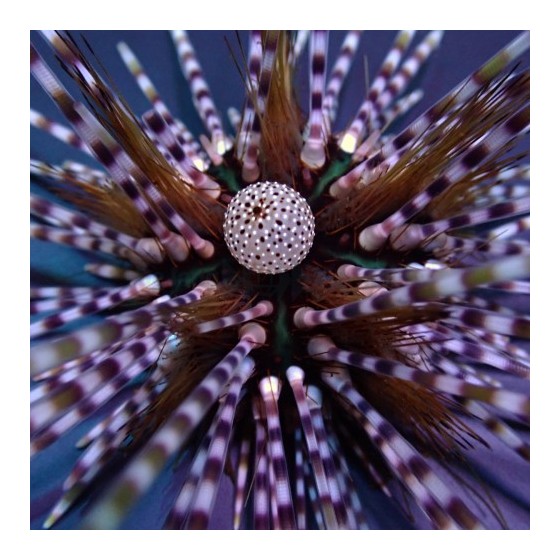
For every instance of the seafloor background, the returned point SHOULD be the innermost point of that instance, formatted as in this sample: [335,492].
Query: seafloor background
[459,54]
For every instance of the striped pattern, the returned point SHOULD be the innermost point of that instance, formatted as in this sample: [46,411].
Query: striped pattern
[87,360]
[446,246]
[82,241]
[250,170]
[187,163]
[386,117]
[313,153]
[141,397]
[365,460]
[493,322]
[241,476]
[70,171]
[480,352]
[315,400]
[186,140]
[202,97]
[371,238]
[300,500]
[322,348]
[104,443]
[108,153]
[142,471]
[443,508]
[261,490]
[57,130]
[410,237]
[338,75]
[81,398]
[117,160]
[177,517]
[86,375]
[147,286]
[270,391]
[355,132]
[62,299]
[295,377]
[313,497]
[395,277]
[352,504]
[88,339]
[111,272]
[406,73]
[500,429]
[296,458]
[459,95]
[442,283]
[262,309]
[255,59]
[203,498]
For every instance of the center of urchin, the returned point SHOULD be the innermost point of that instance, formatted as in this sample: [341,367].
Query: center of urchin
[269,228]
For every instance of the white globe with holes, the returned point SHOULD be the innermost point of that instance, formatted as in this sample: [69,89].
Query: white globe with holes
[269,228]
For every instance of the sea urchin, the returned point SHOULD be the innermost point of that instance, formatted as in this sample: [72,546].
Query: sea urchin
[293,312]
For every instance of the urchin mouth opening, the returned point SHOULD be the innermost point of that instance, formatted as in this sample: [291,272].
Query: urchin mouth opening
[269,228]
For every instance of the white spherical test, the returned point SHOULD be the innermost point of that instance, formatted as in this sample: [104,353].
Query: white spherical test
[269,228]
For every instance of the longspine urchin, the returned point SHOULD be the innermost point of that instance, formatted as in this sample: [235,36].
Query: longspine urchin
[292,306]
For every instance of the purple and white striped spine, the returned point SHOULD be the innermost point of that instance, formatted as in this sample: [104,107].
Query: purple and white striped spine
[338,75]
[250,168]
[207,490]
[255,57]
[313,153]
[295,377]
[261,490]
[147,286]
[59,131]
[269,388]
[202,97]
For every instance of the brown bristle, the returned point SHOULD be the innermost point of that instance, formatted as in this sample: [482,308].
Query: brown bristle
[197,353]
[224,301]
[426,415]
[471,188]
[195,358]
[107,204]
[282,121]
[118,119]
[383,333]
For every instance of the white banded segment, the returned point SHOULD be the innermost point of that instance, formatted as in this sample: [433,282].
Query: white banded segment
[269,228]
